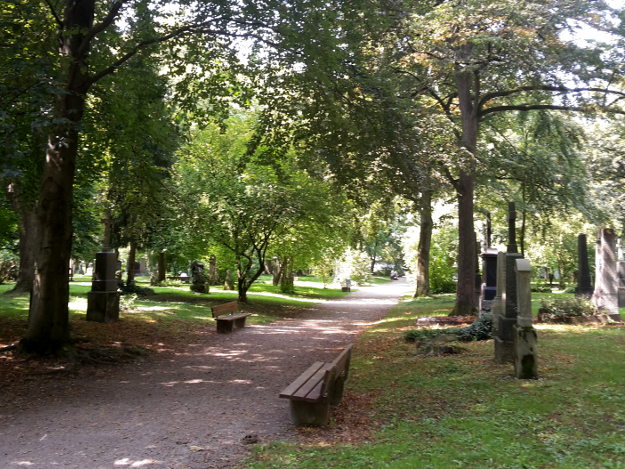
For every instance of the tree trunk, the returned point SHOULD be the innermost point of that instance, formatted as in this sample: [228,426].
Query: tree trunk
[276,271]
[286,280]
[130,265]
[48,318]
[28,244]
[374,256]
[425,242]
[465,288]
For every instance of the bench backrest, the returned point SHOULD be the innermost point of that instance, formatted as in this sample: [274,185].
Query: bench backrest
[341,363]
[225,308]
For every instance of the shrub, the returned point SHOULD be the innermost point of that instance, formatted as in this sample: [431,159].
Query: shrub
[8,266]
[562,310]
[481,329]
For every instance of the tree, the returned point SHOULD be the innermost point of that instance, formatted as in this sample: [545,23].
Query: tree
[84,56]
[244,200]
[474,60]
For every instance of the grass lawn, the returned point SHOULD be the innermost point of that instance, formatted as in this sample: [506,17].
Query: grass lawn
[172,311]
[466,411]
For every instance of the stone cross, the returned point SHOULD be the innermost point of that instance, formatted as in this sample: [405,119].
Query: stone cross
[584,286]
[525,337]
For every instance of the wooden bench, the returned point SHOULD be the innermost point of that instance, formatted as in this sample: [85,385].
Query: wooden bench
[316,389]
[228,317]
[179,278]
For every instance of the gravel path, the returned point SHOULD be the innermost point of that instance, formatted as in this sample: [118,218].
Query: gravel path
[193,409]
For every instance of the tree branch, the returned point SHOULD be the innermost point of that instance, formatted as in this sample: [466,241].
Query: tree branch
[56,16]
[552,107]
[557,89]
[101,26]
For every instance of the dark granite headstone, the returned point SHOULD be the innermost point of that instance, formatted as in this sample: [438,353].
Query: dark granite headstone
[103,299]
[504,343]
[584,287]
[489,279]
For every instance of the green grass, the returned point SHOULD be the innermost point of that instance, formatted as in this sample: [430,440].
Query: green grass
[467,411]
[177,301]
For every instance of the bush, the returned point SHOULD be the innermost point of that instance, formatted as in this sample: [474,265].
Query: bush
[8,266]
[481,329]
[562,310]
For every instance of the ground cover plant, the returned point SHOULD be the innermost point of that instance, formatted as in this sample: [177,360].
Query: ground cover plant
[466,411]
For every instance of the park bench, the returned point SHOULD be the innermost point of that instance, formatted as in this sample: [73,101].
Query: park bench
[228,317]
[316,389]
[183,279]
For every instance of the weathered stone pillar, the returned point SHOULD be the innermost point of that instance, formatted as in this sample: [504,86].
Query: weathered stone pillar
[605,295]
[525,338]
[212,270]
[584,286]
[198,278]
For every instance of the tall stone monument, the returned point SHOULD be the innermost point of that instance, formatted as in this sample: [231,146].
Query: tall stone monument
[504,342]
[199,280]
[584,285]
[103,299]
[525,338]
[605,295]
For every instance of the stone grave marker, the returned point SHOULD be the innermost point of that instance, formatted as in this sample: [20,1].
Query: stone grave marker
[605,295]
[584,286]
[103,299]
[525,338]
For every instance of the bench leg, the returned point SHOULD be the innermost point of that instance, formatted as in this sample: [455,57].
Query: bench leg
[240,322]
[335,390]
[310,413]
[224,326]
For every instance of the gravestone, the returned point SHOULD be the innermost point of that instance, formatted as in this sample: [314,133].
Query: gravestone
[488,289]
[605,295]
[199,280]
[497,304]
[212,270]
[504,345]
[103,299]
[621,284]
[229,282]
[584,286]
[525,338]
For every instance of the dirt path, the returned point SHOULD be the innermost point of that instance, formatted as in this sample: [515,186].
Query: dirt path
[190,410]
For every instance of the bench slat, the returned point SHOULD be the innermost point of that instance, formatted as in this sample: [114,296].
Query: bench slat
[313,389]
[233,317]
[302,379]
